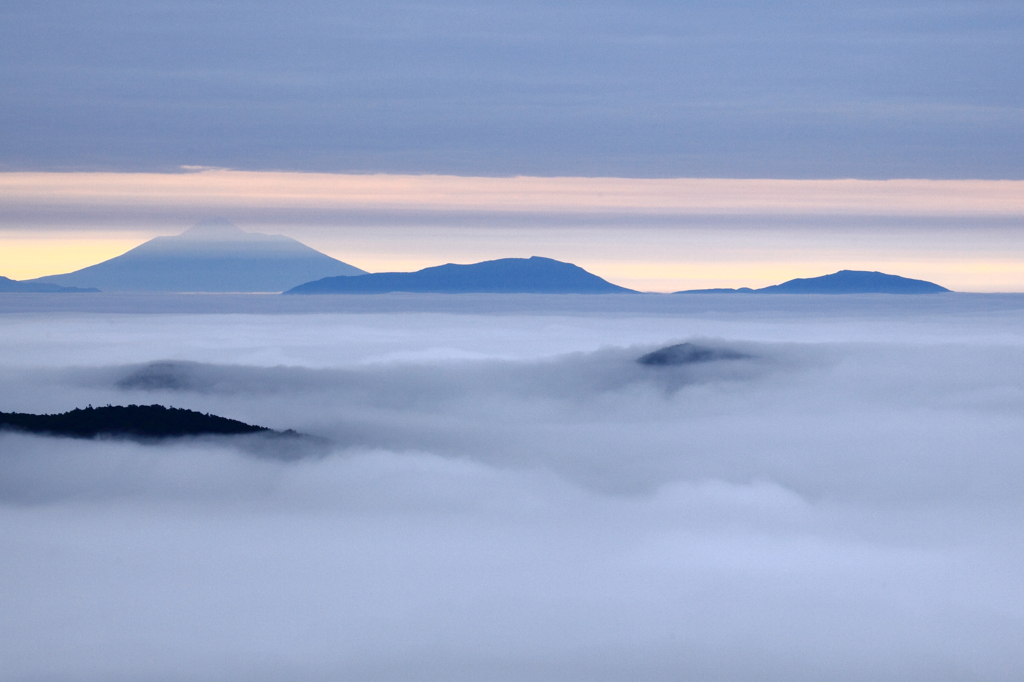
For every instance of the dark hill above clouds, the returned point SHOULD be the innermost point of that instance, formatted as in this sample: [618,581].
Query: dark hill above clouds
[687,354]
[35,287]
[842,282]
[503,276]
[212,256]
[133,421]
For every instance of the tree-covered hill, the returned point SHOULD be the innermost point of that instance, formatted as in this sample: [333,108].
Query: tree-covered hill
[134,421]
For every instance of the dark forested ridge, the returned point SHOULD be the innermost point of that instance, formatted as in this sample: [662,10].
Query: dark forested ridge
[688,354]
[137,421]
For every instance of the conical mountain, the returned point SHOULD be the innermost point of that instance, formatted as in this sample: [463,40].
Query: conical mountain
[212,256]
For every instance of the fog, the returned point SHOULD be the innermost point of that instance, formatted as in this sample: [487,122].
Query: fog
[495,489]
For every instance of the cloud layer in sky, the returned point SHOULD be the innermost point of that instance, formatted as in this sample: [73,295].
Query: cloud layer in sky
[867,89]
[648,234]
[572,94]
[510,496]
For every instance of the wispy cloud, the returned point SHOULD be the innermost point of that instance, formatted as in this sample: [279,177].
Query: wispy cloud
[219,189]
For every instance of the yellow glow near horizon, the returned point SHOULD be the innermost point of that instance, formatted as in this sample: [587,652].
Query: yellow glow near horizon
[66,221]
[27,258]
[969,276]
[51,254]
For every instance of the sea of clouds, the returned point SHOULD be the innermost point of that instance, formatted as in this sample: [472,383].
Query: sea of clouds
[493,488]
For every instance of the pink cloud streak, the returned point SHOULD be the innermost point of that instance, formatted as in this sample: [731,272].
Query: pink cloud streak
[225,189]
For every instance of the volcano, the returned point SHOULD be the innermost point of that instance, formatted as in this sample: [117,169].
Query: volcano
[212,256]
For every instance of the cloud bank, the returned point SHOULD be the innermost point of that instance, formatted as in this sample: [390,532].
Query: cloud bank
[515,497]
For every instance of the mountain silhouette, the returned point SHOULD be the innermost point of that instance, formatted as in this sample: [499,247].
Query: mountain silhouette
[503,276]
[35,287]
[212,256]
[842,282]
[687,354]
[133,421]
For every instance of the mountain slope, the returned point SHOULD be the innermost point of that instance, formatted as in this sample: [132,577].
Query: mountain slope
[855,282]
[503,276]
[842,282]
[213,256]
[34,287]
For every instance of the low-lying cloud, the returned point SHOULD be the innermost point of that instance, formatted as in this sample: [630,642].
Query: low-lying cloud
[812,509]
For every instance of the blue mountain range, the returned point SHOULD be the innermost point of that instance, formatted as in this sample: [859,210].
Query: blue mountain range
[842,282]
[216,256]
[35,287]
[503,276]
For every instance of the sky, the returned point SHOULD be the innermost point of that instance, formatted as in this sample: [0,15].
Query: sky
[495,489]
[601,90]
[866,89]
[506,494]
[648,234]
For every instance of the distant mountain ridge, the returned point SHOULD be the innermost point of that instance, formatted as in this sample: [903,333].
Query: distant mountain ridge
[212,256]
[842,282]
[35,287]
[534,275]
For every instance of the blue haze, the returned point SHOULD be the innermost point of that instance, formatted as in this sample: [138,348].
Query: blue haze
[8,285]
[212,256]
[534,275]
[842,282]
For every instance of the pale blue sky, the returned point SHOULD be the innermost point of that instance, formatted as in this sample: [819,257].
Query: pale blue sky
[870,89]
